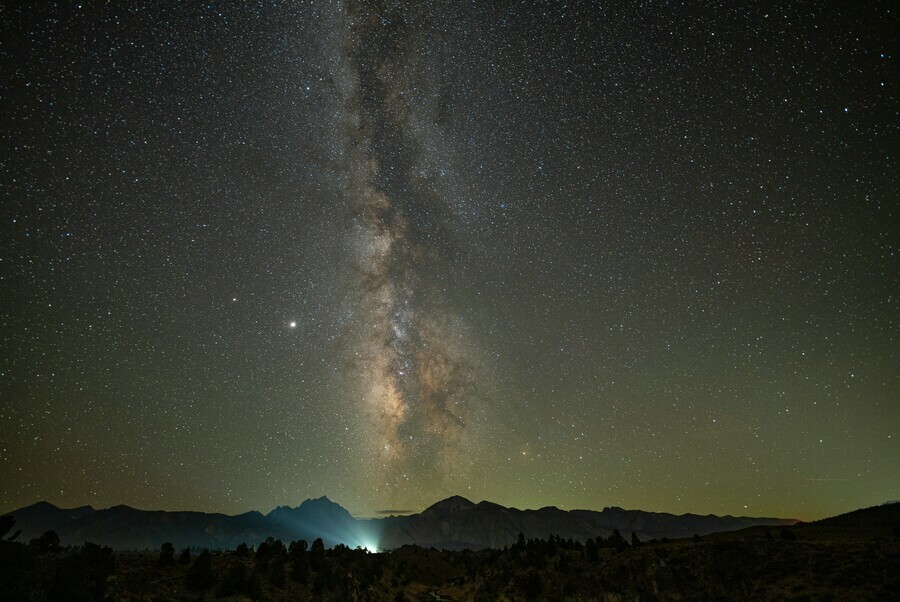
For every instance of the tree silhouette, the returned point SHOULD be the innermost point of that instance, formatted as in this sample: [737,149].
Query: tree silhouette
[199,574]
[48,542]
[297,548]
[277,548]
[616,541]
[6,523]
[299,560]
[635,542]
[590,551]
[166,554]
[185,557]
[100,563]
[317,554]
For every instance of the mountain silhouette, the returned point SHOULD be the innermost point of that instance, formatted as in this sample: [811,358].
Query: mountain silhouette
[33,519]
[453,523]
[323,518]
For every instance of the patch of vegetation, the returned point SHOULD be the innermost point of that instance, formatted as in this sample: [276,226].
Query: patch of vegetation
[749,566]
[44,570]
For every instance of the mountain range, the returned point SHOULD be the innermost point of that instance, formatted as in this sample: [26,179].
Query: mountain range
[453,523]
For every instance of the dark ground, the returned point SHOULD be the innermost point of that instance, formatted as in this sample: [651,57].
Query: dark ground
[852,557]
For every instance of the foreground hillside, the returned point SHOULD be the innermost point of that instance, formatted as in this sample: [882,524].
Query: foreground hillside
[804,562]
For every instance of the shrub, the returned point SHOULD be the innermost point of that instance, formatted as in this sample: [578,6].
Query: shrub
[200,574]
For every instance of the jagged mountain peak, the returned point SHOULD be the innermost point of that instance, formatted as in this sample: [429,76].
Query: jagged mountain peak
[455,503]
[313,509]
[322,502]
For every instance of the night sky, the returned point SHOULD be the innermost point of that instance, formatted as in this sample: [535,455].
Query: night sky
[539,253]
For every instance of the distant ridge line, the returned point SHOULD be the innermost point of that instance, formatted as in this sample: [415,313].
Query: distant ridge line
[452,523]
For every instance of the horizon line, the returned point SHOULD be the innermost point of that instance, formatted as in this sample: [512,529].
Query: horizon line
[381,514]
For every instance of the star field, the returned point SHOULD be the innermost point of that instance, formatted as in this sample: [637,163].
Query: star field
[532,252]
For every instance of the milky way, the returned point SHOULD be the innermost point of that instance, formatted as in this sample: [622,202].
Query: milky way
[417,380]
